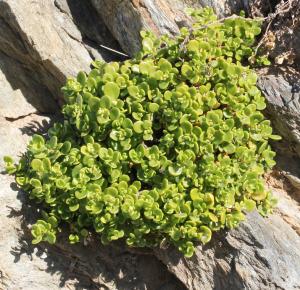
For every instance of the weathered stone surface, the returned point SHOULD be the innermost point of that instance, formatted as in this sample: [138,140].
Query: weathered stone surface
[281,88]
[287,195]
[288,208]
[259,255]
[9,98]
[294,180]
[285,34]
[21,91]
[13,274]
[281,82]
[14,135]
[43,39]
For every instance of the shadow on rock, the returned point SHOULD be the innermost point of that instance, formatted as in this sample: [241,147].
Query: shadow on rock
[40,127]
[93,29]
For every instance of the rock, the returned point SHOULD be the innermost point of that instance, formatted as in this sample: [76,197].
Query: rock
[285,35]
[261,254]
[48,46]
[126,18]
[287,195]
[23,271]
[294,180]
[281,88]
[21,91]
[14,135]
[281,82]
[9,98]
[92,28]
[288,207]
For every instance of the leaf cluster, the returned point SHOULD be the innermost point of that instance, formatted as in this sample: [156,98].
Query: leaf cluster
[169,146]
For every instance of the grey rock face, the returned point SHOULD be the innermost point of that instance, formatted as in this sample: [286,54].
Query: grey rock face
[21,91]
[42,38]
[259,255]
[282,91]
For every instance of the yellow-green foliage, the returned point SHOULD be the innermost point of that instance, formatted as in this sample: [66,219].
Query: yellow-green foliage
[169,146]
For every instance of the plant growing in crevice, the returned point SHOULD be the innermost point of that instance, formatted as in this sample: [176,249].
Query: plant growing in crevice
[169,146]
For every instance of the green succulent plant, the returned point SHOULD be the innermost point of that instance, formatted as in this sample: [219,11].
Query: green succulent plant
[168,146]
